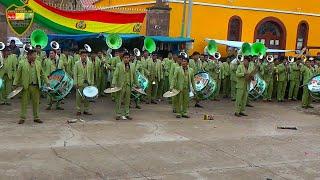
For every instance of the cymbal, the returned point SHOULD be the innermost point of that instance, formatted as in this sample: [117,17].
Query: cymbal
[139,90]
[112,90]
[172,93]
[14,92]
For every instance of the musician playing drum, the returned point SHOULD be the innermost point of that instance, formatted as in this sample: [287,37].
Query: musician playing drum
[124,77]
[49,65]
[30,75]
[83,75]
[183,80]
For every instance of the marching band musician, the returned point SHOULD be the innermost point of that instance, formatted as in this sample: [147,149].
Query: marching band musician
[83,74]
[176,63]
[226,78]
[104,73]
[214,69]
[41,55]
[49,65]
[183,80]
[307,74]
[124,77]
[112,66]
[195,63]
[268,72]
[280,69]
[98,67]
[7,73]
[294,79]
[140,68]
[154,72]
[167,62]
[243,80]
[30,75]
[233,68]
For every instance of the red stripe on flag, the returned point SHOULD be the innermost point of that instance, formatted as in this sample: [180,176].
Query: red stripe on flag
[97,15]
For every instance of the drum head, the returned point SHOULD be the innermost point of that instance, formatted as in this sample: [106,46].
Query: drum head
[90,91]
[201,80]
[314,84]
[205,86]
[14,92]
[1,83]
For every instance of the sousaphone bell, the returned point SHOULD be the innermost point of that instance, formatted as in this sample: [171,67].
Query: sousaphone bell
[87,48]
[270,58]
[2,47]
[136,52]
[54,45]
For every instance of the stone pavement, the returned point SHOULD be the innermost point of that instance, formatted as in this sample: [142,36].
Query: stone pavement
[156,145]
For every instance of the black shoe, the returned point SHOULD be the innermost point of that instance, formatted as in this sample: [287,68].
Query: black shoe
[198,105]
[185,116]
[129,118]
[233,99]
[294,99]
[59,108]
[305,107]
[243,114]
[138,107]
[249,105]
[118,118]
[153,102]
[48,108]
[178,116]
[87,113]
[174,111]
[310,107]
[78,113]
[237,114]
[38,121]
[21,121]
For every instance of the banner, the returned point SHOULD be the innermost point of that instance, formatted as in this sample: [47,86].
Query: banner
[19,18]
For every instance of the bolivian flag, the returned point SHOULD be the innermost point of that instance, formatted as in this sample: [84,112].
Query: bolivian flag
[75,22]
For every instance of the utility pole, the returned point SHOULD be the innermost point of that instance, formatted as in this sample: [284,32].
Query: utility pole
[183,18]
[189,25]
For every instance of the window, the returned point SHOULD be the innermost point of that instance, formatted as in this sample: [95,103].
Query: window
[235,28]
[302,35]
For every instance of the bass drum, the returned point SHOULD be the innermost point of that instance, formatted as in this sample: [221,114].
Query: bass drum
[143,83]
[205,86]
[61,83]
[257,87]
[314,86]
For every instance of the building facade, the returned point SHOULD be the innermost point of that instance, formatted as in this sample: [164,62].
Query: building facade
[285,24]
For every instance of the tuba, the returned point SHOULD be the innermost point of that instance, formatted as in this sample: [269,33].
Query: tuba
[270,58]
[39,37]
[136,52]
[109,53]
[290,59]
[54,45]
[114,41]
[149,45]
[212,47]
[87,48]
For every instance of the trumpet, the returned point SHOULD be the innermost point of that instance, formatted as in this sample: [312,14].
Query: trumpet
[270,58]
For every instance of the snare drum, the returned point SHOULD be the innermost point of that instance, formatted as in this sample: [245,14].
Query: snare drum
[257,87]
[61,83]
[314,86]
[1,84]
[90,93]
[205,86]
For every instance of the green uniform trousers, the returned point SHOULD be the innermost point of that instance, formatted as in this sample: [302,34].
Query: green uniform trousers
[6,89]
[182,102]
[51,102]
[216,95]
[152,91]
[233,89]
[226,86]
[241,99]
[274,91]
[123,96]
[31,94]
[306,98]
[285,85]
[267,95]
[294,89]
[280,90]
[160,89]
[100,83]
[82,104]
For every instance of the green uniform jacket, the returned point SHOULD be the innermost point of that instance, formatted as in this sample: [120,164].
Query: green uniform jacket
[307,74]
[118,76]
[23,74]
[79,73]
[48,66]
[167,66]
[242,83]
[63,62]
[9,67]
[268,71]
[294,71]
[281,72]
[97,68]
[178,80]
[226,69]
[233,69]
[214,69]
[196,65]
[154,70]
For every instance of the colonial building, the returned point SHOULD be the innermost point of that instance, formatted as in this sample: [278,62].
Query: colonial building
[285,24]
